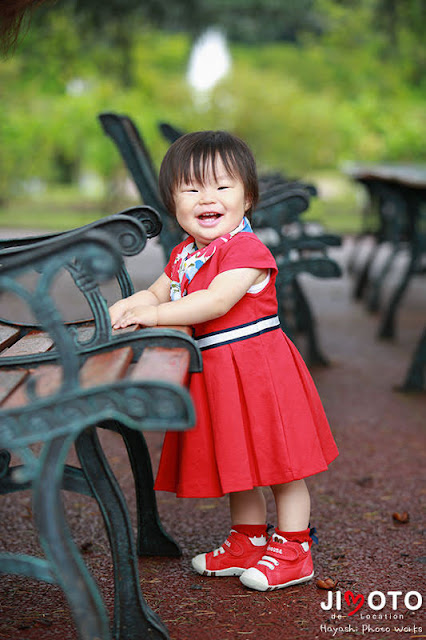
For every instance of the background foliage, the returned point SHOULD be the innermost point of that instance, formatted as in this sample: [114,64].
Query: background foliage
[311,86]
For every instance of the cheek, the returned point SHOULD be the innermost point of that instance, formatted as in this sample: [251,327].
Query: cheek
[179,208]
[181,217]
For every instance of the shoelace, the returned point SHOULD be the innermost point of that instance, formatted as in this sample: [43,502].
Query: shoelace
[312,532]
[217,551]
[268,561]
[220,549]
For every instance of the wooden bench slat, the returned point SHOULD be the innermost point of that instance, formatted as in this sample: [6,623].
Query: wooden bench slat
[48,379]
[33,342]
[105,368]
[9,381]
[159,363]
[8,335]
[86,329]
[156,363]
[130,329]
[85,332]
[102,368]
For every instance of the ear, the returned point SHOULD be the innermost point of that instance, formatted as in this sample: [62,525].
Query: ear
[247,204]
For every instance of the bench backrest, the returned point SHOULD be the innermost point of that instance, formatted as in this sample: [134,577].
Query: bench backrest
[139,162]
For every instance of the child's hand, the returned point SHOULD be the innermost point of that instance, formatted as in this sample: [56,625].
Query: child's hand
[139,314]
[117,310]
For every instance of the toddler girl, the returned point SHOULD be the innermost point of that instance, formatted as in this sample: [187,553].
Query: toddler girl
[260,421]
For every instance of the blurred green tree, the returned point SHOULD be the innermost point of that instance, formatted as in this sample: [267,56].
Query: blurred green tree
[329,88]
[393,29]
[244,20]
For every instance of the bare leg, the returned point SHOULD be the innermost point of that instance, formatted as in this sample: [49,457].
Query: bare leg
[247,541]
[293,505]
[287,561]
[248,507]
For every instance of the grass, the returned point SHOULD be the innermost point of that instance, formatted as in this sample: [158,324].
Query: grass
[27,216]
[338,207]
[57,209]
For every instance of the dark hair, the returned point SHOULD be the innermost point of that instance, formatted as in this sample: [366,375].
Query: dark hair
[12,15]
[190,156]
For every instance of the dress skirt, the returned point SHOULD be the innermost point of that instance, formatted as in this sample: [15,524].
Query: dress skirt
[254,427]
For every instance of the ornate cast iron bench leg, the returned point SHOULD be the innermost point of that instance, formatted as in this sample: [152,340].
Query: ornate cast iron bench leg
[315,357]
[152,540]
[387,326]
[67,566]
[362,277]
[415,379]
[374,287]
[132,616]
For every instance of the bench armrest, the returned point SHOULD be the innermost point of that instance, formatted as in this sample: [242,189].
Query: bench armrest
[90,258]
[127,232]
[147,216]
[280,209]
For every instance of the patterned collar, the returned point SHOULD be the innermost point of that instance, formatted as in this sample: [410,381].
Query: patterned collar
[190,260]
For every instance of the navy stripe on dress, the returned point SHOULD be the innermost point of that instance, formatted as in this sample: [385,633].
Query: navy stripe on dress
[238,333]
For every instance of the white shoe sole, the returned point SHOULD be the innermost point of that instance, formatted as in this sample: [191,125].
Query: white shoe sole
[253,582]
[199,564]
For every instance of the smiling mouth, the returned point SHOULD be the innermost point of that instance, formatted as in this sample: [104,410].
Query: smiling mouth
[210,215]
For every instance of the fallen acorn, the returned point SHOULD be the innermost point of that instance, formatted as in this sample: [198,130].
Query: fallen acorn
[328,583]
[403,517]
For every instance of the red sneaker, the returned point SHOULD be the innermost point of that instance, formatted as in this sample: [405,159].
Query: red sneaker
[238,553]
[284,563]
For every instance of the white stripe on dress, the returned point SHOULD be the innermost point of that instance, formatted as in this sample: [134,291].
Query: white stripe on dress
[238,333]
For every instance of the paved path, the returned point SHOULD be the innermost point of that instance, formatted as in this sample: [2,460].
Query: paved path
[380,470]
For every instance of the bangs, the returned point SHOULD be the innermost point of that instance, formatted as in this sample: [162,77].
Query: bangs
[201,161]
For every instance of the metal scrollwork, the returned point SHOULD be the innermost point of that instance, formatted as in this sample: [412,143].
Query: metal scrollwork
[153,402]
[7,426]
[129,242]
[129,233]
[125,283]
[97,303]
[148,217]
[4,462]
[166,406]
[29,470]
[89,258]
[71,412]
[137,402]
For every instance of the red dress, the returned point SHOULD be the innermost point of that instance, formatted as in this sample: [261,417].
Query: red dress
[260,420]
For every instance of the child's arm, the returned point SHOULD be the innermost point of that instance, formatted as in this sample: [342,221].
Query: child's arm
[225,290]
[157,293]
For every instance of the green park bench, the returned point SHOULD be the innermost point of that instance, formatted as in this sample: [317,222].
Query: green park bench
[279,211]
[130,228]
[297,251]
[59,382]
[394,219]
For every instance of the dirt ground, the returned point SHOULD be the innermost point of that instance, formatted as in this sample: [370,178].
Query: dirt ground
[380,471]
